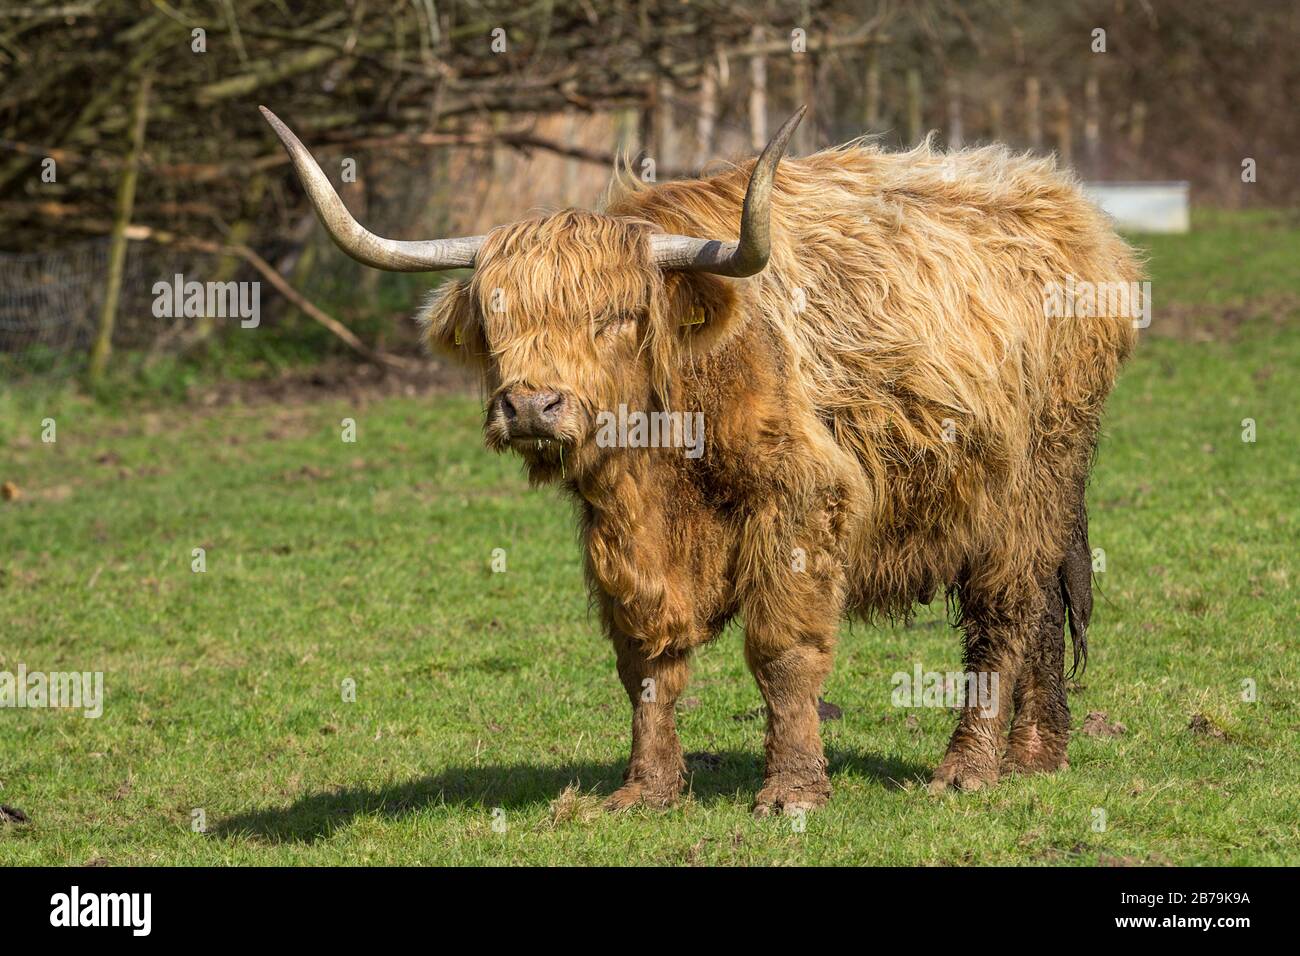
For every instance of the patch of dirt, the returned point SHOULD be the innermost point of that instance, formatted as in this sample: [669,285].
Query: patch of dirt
[1029,838]
[693,854]
[1199,322]
[338,378]
[828,711]
[307,473]
[1096,724]
[1057,854]
[825,711]
[12,815]
[1155,859]
[703,760]
[1205,727]
[53,493]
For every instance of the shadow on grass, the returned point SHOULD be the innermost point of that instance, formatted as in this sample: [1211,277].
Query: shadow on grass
[714,778]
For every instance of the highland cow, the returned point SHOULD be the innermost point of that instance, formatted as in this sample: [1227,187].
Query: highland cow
[889,411]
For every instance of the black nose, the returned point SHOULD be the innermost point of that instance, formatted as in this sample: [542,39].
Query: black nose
[533,413]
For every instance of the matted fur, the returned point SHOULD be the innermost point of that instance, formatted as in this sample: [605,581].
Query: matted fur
[889,412]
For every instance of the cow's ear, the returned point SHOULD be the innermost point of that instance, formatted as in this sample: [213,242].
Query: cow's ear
[452,326]
[705,307]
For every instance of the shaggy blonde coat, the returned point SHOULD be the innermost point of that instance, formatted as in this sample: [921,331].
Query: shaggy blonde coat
[889,411]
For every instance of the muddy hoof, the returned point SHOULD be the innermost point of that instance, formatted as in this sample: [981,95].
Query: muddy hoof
[637,793]
[1040,761]
[791,797]
[1030,751]
[962,772]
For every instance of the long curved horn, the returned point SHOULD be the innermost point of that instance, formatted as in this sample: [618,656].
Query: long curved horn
[749,255]
[394,255]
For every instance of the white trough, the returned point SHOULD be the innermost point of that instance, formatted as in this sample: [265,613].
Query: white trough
[1143,207]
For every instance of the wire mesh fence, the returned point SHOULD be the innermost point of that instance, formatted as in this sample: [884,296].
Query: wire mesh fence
[50,302]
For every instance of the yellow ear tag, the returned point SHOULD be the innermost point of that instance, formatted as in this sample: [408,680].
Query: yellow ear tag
[459,341]
[696,317]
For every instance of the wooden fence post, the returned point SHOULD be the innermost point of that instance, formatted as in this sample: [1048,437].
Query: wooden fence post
[707,119]
[1092,123]
[914,106]
[956,134]
[1137,125]
[571,164]
[625,133]
[103,344]
[872,113]
[757,93]
[1033,118]
[228,264]
[1064,143]
[664,126]
[649,124]
[803,96]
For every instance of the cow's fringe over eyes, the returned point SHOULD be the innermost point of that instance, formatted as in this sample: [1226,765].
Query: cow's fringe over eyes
[545,292]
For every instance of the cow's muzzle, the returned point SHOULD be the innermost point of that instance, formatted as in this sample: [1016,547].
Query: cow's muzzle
[533,413]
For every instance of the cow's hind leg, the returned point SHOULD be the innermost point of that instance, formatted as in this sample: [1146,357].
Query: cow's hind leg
[656,771]
[999,628]
[1040,730]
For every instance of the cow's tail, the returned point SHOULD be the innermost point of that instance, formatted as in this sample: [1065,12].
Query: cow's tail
[1075,575]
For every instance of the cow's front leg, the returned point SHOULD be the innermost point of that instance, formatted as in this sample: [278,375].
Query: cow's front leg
[790,672]
[656,772]
[791,620]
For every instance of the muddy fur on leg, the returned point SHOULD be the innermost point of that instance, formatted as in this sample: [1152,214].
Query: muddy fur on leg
[791,621]
[656,771]
[795,776]
[1040,730]
[999,630]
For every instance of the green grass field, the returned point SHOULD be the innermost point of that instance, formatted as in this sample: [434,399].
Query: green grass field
[487,717]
